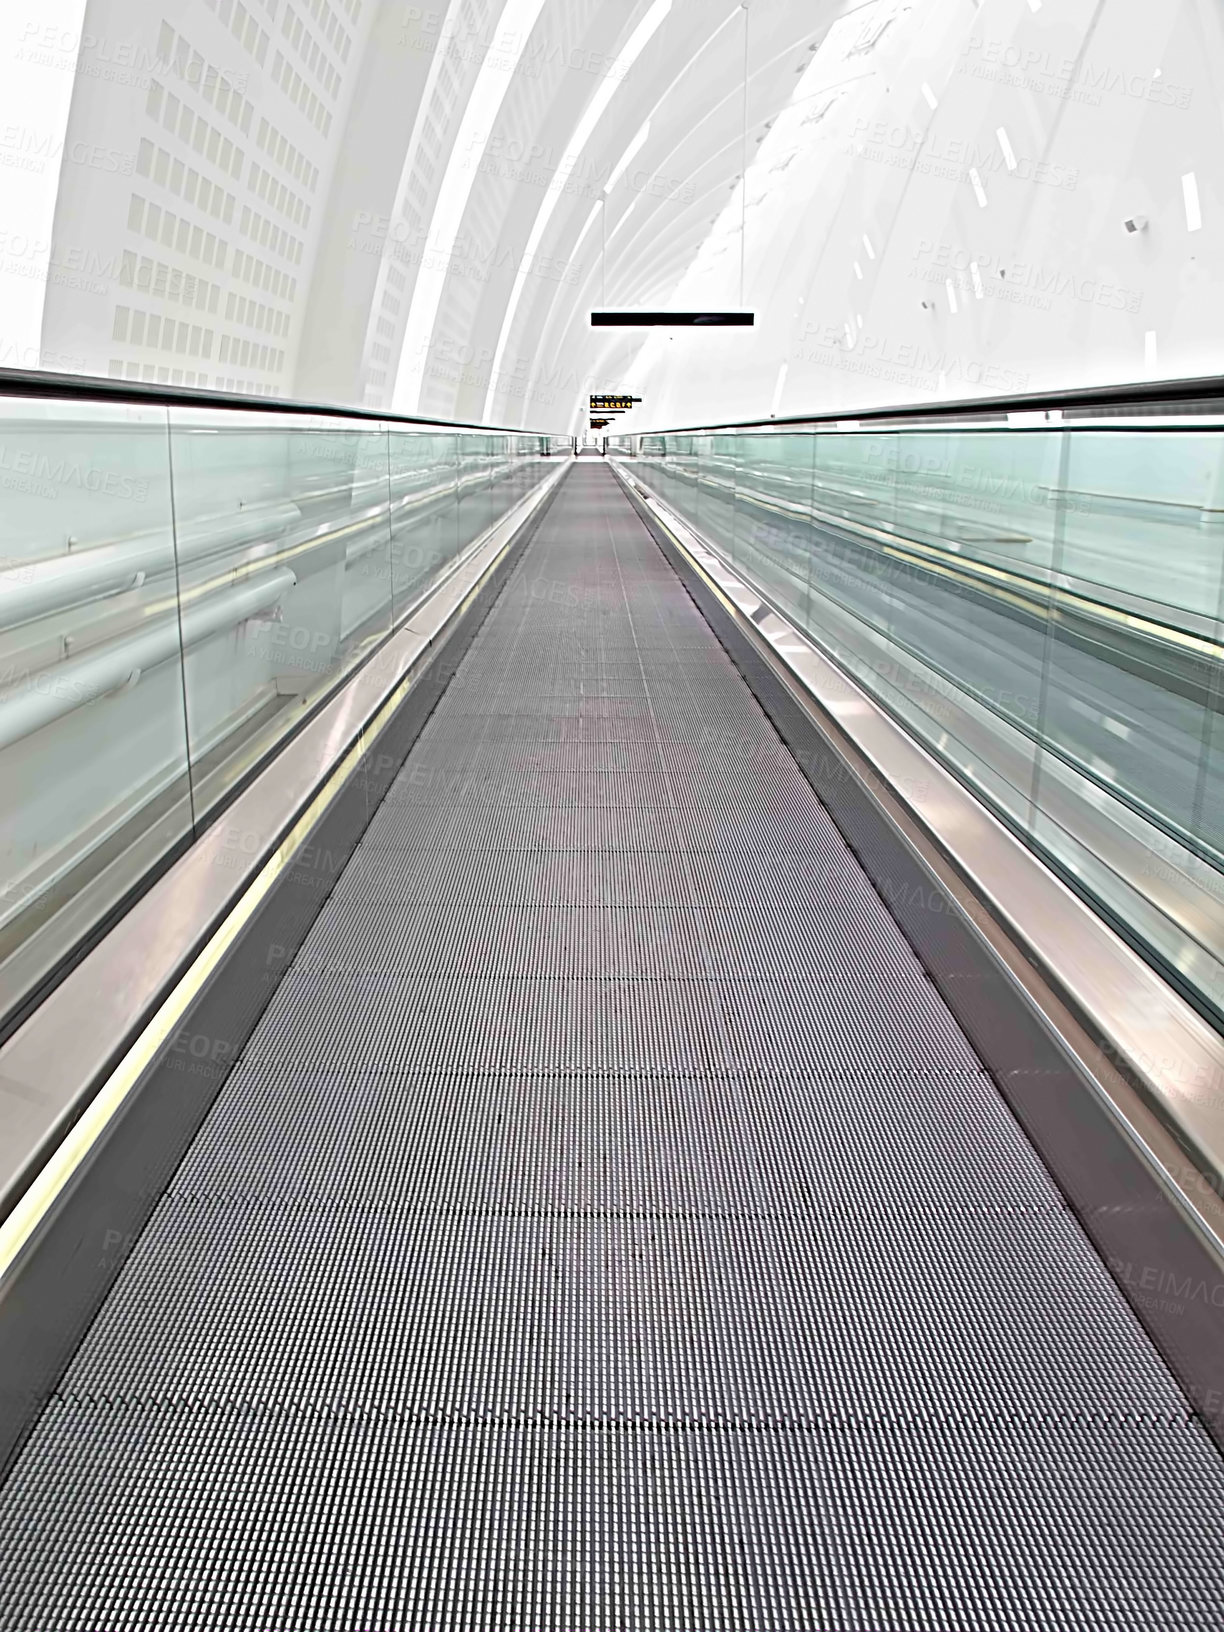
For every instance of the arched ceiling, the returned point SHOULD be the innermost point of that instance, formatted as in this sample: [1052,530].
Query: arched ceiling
[916,198]
[588,150]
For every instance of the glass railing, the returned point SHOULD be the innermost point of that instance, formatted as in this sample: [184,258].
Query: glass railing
[1040,604]
[179,588]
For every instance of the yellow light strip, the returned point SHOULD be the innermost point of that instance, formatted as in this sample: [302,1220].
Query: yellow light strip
[260,564]
[34,1205]
[28,1214]
[977,571]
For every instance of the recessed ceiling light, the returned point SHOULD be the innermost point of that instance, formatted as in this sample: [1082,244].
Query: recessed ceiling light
[1190,197]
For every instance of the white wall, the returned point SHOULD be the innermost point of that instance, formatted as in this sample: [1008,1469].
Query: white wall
[39,49]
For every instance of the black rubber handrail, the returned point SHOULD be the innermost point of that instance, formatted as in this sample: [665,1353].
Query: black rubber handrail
[1173,397]
[35,383]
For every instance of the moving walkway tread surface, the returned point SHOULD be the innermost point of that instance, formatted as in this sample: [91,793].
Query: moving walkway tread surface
[608,1225]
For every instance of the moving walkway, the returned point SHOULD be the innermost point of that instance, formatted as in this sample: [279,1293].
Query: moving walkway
[597,1163]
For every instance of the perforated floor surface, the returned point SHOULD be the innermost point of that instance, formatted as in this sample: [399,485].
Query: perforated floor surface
[608,1226]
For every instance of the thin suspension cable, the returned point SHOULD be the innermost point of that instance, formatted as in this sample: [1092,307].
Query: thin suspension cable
[744,164]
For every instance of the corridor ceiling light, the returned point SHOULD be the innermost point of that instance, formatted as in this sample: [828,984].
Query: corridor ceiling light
[951,296]
[979,192]
[593,113]
[858,271]
[1190,197]
[627,157]
[868,248]
[976,272]
[931,99]
[586,227]
[778,389]
[1009,158]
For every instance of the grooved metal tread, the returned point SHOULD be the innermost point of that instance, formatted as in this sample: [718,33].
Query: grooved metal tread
[616,1144]
[672,1317]
[608,1227]
[360,1525]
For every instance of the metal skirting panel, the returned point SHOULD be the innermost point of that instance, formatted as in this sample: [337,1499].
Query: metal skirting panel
[1146,1207]
[608,1226]
[49,1295]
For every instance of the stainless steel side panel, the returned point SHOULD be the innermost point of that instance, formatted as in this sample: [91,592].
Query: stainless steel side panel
[1151,1032]
[86,1023]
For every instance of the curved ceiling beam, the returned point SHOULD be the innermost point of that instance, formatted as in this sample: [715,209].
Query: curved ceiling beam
[407,172]
[595,110]
[563,310]
[660,101]
[780,57]
[479,117]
